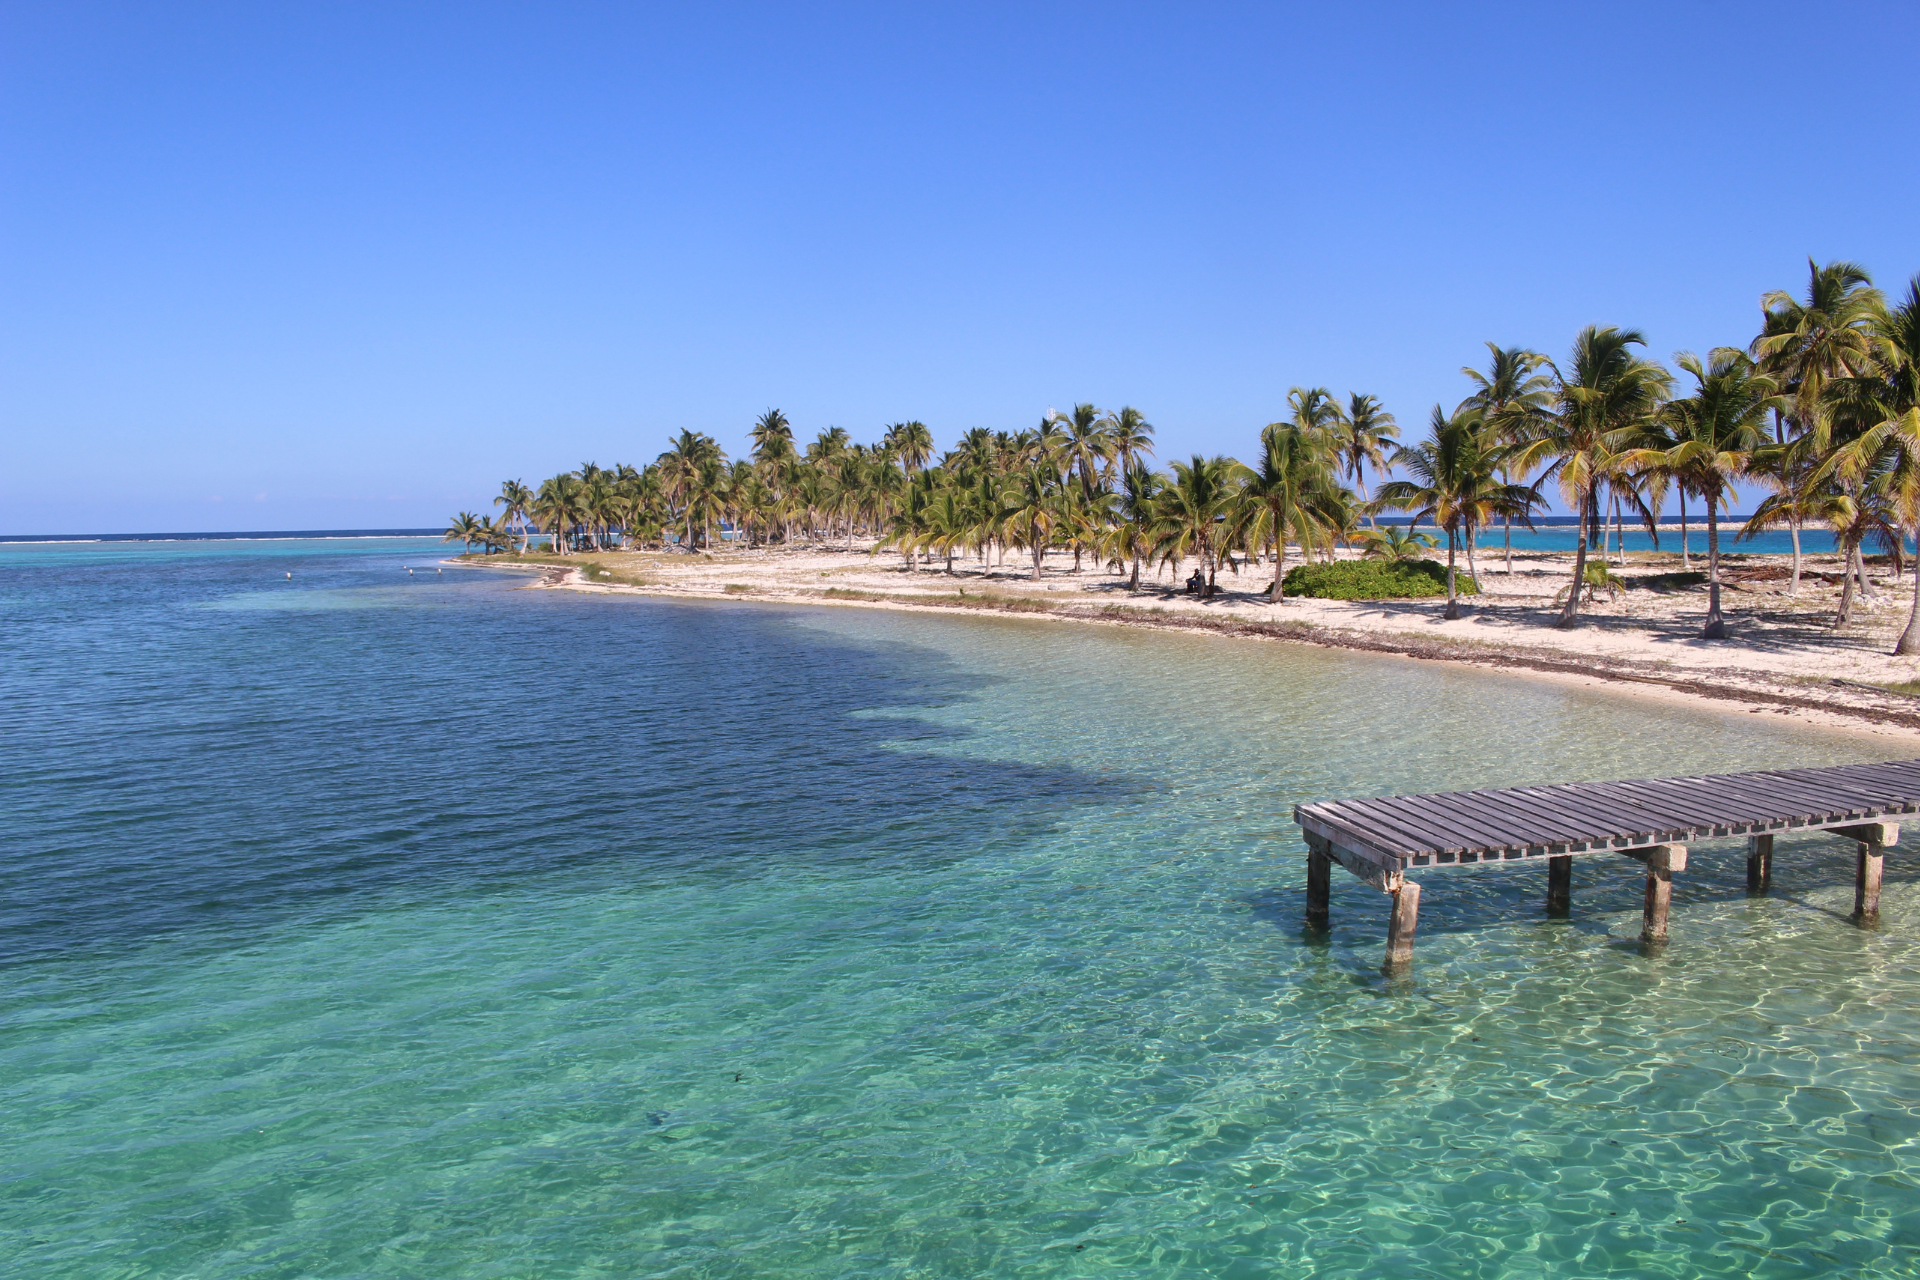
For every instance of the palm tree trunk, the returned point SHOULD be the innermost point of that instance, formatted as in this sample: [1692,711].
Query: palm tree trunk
[1038,551]
[1910,638]
[1793,583]
[1716,628]
[1570,615]
[1846,585]
[1133,583]
[1506,537]
[1686,563]
[1453,602]
[1279,593]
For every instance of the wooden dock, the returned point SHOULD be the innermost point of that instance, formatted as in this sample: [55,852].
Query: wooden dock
[1651,820]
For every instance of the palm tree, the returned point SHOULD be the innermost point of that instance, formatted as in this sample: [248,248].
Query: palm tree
[1288,496]
[772,436]
[1806,346]
[911,442]
[1602,398]
[1395,543]
[1035,510]
[1084,447]
[1894,441]
[1792,503]
[465,529]
[1313,409]
[517,499]
[684,469]
[1713,434]
[1457,483]
[1364,430]
[1512,397]
[495,535]
[1191,510]
[911,526]
[1132,535]
[1129,433]
[556,508]
[949,522]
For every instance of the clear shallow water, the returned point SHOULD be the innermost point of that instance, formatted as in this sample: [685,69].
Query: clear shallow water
[373,926]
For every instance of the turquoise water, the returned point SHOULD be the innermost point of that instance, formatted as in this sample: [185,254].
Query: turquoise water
[1565,538]
[367,925]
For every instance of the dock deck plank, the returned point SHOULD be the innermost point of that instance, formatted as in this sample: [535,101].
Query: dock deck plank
[1508,822]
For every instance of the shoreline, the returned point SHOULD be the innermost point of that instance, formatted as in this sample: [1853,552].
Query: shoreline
[1813,699]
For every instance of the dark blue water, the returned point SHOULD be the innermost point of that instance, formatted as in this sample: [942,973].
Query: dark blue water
[367,924]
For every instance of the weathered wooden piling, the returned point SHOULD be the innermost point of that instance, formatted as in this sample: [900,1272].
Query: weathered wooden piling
[1401,924]
[1319,888]
[1662,861]
[1759,863]
[1560,885]
[1651,820]
[1870,847]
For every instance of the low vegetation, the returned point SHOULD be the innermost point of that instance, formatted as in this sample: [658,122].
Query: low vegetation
[1375,580]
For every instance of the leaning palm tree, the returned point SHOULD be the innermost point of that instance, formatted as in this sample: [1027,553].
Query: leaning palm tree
[1364,430]
[1713,435]
[1602,397]
[1288,497]
[517,499]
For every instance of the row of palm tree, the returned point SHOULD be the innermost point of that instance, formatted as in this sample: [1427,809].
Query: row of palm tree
[1819,408]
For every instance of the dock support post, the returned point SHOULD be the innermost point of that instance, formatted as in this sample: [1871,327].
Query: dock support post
[1866,881]
[1406,915]
[1560,885]
[1319,865]
[1759,863]
[1662,861]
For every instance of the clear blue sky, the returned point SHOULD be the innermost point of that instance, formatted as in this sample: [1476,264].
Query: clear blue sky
[290,266]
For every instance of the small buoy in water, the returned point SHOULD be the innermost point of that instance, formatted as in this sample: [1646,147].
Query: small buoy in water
[289,575]
[409,571]
[439,570]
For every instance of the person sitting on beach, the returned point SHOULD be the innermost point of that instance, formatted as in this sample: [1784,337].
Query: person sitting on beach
[1197,583]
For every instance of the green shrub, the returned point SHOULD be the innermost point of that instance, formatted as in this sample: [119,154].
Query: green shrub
[1375,580]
